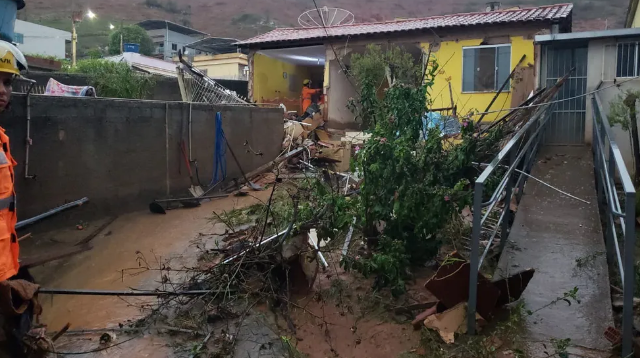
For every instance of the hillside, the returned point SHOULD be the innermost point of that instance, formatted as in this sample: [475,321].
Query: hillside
[246,18]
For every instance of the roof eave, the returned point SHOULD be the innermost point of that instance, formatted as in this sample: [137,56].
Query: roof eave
[270,45]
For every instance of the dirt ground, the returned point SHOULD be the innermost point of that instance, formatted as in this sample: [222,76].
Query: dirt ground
[119,247]
[340,317]
[349,321]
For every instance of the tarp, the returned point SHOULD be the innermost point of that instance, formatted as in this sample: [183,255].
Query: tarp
[55,88]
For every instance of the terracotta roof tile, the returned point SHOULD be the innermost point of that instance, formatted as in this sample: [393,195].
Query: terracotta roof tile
[542,13]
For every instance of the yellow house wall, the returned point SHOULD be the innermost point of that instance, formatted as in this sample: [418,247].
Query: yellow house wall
[270,84]
[221,70]
[222,66]
[449,57]
[636,18]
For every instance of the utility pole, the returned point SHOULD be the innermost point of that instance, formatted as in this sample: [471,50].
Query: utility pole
[75,17]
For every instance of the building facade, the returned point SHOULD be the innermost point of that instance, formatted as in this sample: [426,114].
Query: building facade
[606,66]
[476,53]
[34,39]
[170,37]
[229,66]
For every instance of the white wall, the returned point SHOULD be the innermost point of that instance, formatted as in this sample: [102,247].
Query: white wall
[169,38]
[601,68]
[41,40]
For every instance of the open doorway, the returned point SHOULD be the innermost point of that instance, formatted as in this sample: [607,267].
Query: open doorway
[279,75]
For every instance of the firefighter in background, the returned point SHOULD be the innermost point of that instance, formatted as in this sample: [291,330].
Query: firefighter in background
[17,290]
[307,94]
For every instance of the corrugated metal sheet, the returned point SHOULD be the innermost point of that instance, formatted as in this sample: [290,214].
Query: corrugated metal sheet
[543,13]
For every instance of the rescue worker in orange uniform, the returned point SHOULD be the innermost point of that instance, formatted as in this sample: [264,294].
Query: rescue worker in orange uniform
[307,94]
[16,324]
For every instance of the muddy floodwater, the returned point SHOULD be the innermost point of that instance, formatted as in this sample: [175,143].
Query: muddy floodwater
[123,245]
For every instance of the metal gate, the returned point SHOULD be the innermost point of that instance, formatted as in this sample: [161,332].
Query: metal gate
[567,122]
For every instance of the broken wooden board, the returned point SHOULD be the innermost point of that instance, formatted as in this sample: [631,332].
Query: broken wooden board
[523,84]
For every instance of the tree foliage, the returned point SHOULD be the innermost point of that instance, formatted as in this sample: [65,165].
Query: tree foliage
[131,34]
[412,187]
[115,79]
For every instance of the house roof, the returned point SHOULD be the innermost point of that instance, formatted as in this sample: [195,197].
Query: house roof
[588,35]
[164,24]
[146,64]
[631,13]
[549,13]
[215,45]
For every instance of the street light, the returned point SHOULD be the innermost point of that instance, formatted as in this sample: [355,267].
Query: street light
[77,17]
[111,27]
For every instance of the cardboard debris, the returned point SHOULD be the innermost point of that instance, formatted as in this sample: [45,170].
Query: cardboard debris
[293,129]
[450,322]
[323,135]
[339,154]
[314,122]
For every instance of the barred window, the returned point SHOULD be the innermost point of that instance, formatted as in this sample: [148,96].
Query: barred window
[627,64]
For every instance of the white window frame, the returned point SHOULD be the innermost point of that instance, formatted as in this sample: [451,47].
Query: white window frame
[636,72]
[498,85]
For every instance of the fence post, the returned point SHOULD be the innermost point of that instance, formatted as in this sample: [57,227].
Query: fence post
[475,258]
[629,273]
[504,230]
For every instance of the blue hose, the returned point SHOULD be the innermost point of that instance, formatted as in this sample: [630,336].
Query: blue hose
[219,161]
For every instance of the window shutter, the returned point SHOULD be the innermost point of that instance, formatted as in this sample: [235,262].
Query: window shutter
[468,70]
[504,66]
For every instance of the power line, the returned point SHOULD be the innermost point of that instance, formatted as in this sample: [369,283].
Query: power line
[561,100]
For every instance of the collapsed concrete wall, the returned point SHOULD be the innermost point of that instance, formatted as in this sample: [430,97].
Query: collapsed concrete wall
[124,153]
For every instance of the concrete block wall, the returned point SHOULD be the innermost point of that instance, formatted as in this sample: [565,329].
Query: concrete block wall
[124,153]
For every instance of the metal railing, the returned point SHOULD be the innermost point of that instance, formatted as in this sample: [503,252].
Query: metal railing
[609,169]
[515,160]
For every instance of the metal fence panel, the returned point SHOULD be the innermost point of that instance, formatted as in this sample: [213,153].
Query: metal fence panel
[567,124]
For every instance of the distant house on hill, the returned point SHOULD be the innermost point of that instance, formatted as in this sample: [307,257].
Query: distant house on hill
[34,39]
[476,53]
[170,37]
[218,58]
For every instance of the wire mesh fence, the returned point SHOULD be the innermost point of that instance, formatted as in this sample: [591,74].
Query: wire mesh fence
[197,87]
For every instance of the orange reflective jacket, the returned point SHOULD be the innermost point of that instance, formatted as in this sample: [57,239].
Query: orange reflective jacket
[8,239]
[307,93]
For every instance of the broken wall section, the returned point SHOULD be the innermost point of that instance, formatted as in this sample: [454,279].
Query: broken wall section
[124,153]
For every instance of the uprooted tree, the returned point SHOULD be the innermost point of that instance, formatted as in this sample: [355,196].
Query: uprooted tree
[413,187]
